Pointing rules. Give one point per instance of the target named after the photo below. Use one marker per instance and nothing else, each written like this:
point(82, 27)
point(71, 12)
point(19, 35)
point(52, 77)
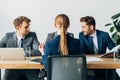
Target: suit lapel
point(14, 40)
point(87, 43)
point(99, 40)
point(27, 40)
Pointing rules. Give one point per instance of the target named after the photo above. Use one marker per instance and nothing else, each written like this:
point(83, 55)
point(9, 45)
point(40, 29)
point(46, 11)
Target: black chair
point(67, 68)
point(22, 78)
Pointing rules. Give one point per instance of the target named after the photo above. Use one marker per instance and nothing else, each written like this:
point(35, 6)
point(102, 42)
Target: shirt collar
point(94, 35)
point(19, 38)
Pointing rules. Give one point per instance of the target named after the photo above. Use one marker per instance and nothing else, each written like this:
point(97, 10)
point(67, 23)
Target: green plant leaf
point(112, 29)
point(116, 37)
point(115, 28)
point(115, 16)
point(108, 24)
point(118, 22)
point(115, 21)
point(118, 28)
point(118, 41)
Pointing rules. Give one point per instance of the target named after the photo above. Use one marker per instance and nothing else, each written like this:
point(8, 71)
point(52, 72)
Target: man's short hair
point(89, 20)
point(19, 20)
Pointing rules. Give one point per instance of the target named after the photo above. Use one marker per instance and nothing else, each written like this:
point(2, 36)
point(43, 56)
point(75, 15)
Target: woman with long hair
point(62, 44)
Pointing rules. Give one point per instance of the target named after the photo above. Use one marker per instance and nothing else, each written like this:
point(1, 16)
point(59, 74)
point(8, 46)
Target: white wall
point(43, 12)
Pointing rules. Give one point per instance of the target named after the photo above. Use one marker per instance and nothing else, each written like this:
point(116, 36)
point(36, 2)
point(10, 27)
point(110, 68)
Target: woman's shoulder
point(54, 41)
point(72, 40)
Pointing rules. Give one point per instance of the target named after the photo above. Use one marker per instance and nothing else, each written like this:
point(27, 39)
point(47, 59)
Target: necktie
point(90, 39)
point(21, 43)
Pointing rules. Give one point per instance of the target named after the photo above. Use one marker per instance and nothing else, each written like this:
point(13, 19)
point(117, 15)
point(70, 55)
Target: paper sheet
point(93, 59)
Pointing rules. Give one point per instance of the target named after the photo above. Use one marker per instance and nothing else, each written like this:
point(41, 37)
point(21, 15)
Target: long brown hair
point(63, 21)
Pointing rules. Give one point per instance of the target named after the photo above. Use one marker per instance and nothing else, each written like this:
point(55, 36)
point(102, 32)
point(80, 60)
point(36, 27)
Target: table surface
point(21, 64)
point(107, 63)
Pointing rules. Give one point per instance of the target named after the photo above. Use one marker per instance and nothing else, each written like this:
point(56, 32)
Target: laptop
point(11, 54)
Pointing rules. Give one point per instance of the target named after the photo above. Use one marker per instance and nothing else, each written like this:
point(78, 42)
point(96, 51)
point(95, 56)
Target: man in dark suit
point(101, 40)
point(94, 41)
point(22, 37)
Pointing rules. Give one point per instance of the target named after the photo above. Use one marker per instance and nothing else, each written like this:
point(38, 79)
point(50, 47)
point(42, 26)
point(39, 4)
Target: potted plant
point(115, 28)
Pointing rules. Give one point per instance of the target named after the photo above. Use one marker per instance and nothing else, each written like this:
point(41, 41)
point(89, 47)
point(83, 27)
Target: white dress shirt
point(19, 39)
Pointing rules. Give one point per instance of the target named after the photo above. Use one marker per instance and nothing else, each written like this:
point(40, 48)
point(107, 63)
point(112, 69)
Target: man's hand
point(41, 48)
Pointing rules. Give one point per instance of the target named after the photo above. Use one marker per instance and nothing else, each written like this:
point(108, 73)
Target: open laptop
point(11, 53)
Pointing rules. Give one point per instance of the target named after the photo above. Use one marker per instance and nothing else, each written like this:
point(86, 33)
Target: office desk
point(107, 63)
point(20, 65)
point(23, 64)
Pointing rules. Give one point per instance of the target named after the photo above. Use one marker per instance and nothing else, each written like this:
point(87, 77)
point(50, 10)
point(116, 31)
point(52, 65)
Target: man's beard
point(88, 33)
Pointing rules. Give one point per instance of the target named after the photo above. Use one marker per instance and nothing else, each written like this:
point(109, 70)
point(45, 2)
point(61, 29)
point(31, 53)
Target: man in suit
point(101, 39)
point(22, 37)
point(94, 41)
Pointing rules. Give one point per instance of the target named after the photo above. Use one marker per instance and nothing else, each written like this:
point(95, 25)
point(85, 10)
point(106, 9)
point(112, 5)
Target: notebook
point(12, 53)
point(37, 60)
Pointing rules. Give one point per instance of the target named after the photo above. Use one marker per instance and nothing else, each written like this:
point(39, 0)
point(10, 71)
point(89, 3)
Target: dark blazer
point(10, 40)
point(103, 39)
point(52, 47)
point(54, 34)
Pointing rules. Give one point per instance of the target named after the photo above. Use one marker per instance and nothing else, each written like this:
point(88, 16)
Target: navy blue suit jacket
point(103, 39)
point(52, 47)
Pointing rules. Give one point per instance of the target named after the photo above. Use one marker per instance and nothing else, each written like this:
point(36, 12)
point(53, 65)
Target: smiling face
point(23, 29)
point(22, 24)
point(87, 29)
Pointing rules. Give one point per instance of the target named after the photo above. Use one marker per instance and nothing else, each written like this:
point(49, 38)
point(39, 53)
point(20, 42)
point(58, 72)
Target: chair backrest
point(67, 67)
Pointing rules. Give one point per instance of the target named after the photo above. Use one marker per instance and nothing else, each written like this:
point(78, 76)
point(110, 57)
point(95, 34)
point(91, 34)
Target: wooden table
point(107, 63)
point(20, 64)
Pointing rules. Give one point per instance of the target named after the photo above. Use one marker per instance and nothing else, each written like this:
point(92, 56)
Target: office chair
point(22, 78)
point(67, 67)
